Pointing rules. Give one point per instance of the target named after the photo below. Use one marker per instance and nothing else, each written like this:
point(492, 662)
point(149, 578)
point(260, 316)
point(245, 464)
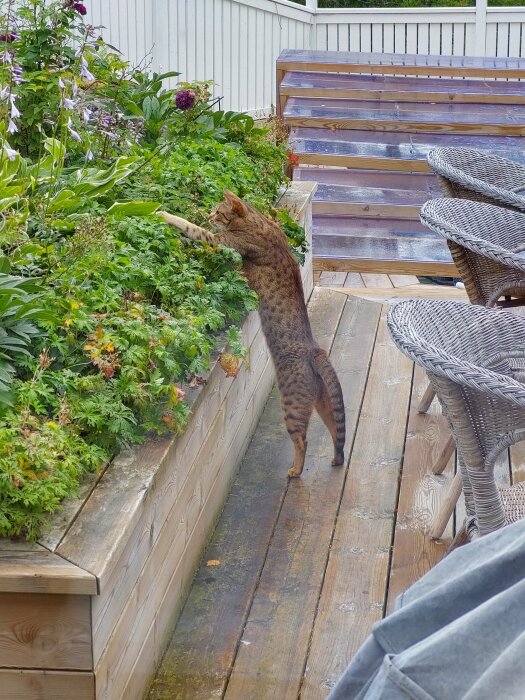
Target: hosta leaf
point(121, 209)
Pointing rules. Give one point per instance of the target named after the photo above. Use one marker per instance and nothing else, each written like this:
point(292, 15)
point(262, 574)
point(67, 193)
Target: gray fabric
point(457, 634)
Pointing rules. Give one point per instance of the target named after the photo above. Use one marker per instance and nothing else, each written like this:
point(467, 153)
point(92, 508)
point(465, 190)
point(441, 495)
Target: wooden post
point(480, 35)
point(311, 4)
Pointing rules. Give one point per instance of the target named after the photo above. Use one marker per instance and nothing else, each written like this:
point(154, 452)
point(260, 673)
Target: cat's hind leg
point(297, 416)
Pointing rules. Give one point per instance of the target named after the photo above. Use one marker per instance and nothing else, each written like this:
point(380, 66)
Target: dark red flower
point(8, 38)
point(80, 8)
point(185, 99)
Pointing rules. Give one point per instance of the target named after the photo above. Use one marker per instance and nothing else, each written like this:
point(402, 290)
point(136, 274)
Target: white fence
point(235, 42)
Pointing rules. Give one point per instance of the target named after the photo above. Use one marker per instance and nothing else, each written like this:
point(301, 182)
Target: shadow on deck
point(297, 572)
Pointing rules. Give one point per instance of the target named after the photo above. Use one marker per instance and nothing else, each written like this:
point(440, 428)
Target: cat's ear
point(237, 205)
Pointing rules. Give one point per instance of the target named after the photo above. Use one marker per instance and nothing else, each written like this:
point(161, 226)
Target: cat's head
point(223, 216)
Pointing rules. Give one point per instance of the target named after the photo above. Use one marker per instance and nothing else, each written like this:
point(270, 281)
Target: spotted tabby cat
point(305, 376)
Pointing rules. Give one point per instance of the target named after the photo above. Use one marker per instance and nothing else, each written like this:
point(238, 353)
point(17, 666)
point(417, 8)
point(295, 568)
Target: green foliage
point(20, 308)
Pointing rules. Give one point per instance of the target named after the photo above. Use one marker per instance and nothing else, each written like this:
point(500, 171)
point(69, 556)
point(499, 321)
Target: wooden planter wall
point(85, 612)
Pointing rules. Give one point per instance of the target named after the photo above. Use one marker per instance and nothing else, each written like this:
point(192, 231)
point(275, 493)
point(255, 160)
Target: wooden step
point(398, 64)
point(400, 89)
point(405, 116)
point(388, 246)
point(391, 150)
point(377, 202)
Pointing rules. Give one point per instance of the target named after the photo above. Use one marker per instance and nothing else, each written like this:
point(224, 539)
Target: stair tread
point(432, 113)
point(368, 178)
point(364, 227)
point(382, 85)
point(395, 145)
point(349, 61)
point(353, 246)
point(372, 195)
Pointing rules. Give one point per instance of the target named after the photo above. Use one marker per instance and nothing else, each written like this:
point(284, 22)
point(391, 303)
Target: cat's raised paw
point(339, 460)
point(294, 473)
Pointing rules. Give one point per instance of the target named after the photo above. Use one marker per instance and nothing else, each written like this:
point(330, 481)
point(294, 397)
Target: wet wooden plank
point(274, 645)
point(375, 202)
point(46, 685)
point(390, 150)
point(47, 631)
point(367, 227)
point(354, 589)
point(389, 88)
point(40, 571)
point(421, 495)
point(199, 657)
point(404, 64)
point(416, 256)
point(459, 119)
point(421, 182)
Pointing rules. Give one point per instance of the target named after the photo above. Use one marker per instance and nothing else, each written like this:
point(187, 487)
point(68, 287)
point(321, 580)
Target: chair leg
point(444, 457)
point(426, 400)
point(442, 518)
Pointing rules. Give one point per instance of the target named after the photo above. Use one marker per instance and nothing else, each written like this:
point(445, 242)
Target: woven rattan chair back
point(487, 244)
point(467, 173)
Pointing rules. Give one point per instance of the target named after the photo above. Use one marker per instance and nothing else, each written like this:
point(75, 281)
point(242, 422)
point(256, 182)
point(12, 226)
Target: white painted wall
point(235, 42)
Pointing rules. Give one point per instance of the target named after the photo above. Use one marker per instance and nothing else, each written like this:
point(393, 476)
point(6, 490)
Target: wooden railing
point(235, 42)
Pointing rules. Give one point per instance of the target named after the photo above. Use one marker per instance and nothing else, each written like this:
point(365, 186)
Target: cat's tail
point(327, 373)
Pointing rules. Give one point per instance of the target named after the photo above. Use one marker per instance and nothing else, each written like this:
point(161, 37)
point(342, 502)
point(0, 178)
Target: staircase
point(362, 125)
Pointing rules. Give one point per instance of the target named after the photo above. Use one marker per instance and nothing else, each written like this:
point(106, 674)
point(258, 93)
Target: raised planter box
point(85, 612)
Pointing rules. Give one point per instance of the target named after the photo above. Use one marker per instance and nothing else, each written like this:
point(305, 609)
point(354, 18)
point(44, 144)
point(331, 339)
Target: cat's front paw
point(293, 472)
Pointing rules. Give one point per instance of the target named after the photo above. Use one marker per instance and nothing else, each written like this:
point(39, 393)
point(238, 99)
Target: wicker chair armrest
point(443, 363)
point(440, 215)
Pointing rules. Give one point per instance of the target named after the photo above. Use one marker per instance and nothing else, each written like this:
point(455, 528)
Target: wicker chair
point(484, 241)
point(475, 360)
point(466, 173)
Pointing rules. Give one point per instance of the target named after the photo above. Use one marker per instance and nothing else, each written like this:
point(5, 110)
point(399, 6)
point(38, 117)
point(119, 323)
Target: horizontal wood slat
point(45, 631)
point(46, 685)
point(400, 64)
point(400, 89)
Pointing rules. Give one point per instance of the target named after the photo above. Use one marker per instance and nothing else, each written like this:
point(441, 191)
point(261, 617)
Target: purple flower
point(80, 8)
point(8, 38)
point(84, 71)
point(185, 99)
point(12, 127)
point(73, 133)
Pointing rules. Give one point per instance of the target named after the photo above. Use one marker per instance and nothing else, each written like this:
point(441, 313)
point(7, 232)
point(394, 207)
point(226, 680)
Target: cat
point(305, 377)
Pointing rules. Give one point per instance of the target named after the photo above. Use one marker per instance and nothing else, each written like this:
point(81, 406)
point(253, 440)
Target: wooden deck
point(298, 571)
point(363, 124)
